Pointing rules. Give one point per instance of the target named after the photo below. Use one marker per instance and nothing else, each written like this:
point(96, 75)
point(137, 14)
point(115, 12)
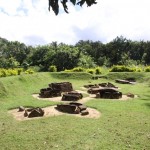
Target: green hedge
point(14, 72)
point(10, 72)
point(96, 70)
point(118, 68)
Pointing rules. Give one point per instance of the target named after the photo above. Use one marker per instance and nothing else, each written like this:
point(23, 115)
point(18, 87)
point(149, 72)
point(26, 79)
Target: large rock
point(73, 108)
point(106, 92)
point(72, 96)
point(84, 112)
point(124, 81)
point(55, 89)
point(36, 112)
point(62, 86)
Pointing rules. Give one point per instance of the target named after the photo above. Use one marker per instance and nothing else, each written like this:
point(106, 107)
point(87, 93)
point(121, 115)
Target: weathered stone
point(26, 113)
point(82, 107)
point(76, 93)
point(55, 89)
point(131, 79)
point(62, 86)
point(93, 90)
point(72, 96)
point(91, 86)
point(21, 108)
point(107, 85)
point(106, 92)
point(75, 103)
point(102, 84)
point(130, 95)
point(72, 109)
point(49, 92)
point(37, 112)
point(98, 95)
point(123, 81)
point(111, 85)
point(84, 112)
point(79, 105)
point(42, 90)
point(29, 109)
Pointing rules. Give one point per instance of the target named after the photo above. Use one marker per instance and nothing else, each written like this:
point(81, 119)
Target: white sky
point(30, 22)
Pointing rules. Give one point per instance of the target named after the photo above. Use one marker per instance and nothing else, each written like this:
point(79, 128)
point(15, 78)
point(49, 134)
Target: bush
point(67, 70)
point(147, 69)
point(19, 70)
point(3, 72)
point(12, 72)
point(122, 69)
point(52, 68)
point(91, 71)
point(35, 68)
point(78, 69)
point(98, 70)
point(29, 71)
point(138, 70)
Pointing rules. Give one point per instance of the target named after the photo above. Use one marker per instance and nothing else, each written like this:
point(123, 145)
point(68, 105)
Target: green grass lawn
point(123, 125)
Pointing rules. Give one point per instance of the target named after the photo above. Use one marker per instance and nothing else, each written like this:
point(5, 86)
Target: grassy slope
point(123, 124)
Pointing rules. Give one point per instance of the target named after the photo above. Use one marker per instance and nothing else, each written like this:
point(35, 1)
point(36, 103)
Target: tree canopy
point(54, 4)
point(86, 54)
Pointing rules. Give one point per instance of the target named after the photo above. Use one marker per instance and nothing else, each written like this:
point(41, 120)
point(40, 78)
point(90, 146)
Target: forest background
point(85, 54)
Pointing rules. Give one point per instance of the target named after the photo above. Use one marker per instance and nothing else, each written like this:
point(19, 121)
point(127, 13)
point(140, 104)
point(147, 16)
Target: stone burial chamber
point(100, 85)
point(72, 96)
point(73, 108)
point(31, 112)
point(55, 89)
point(105, 92)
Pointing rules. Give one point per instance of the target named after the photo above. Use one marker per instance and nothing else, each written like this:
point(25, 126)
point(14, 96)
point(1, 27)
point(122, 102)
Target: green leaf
point(73, 2)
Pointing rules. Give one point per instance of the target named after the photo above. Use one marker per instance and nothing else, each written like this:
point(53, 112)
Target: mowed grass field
point(123, 125)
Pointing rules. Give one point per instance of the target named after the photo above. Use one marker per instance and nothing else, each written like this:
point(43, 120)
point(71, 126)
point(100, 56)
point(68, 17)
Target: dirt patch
point(58, 99)
point(83, 100)
point(51, 112)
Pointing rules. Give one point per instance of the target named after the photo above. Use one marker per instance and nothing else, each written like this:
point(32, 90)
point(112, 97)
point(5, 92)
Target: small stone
point(82, 107)
point(25, 113)
point(84, 112)
point(21, 108)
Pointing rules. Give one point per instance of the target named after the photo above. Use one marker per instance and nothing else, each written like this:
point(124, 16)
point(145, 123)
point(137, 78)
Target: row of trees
point(87, 54)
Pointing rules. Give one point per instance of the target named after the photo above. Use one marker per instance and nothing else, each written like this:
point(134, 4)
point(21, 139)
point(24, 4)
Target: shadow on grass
point(148, 105)
point(145, 97)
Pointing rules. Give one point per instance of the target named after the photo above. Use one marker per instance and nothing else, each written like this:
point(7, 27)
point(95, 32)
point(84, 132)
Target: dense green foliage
point(123, 125)
point(147, 69)
point(95, 71)
point(52, 68)
point(122, 69)
point(85, 54)
point(10, 72)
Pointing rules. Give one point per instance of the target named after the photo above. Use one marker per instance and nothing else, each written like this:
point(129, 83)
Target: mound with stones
point(52, 111)
point(55, 89)
point(64, 92)
point(73, 108)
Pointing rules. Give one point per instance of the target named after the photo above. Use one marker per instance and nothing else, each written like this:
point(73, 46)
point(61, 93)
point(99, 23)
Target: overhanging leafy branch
point(54, 4)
